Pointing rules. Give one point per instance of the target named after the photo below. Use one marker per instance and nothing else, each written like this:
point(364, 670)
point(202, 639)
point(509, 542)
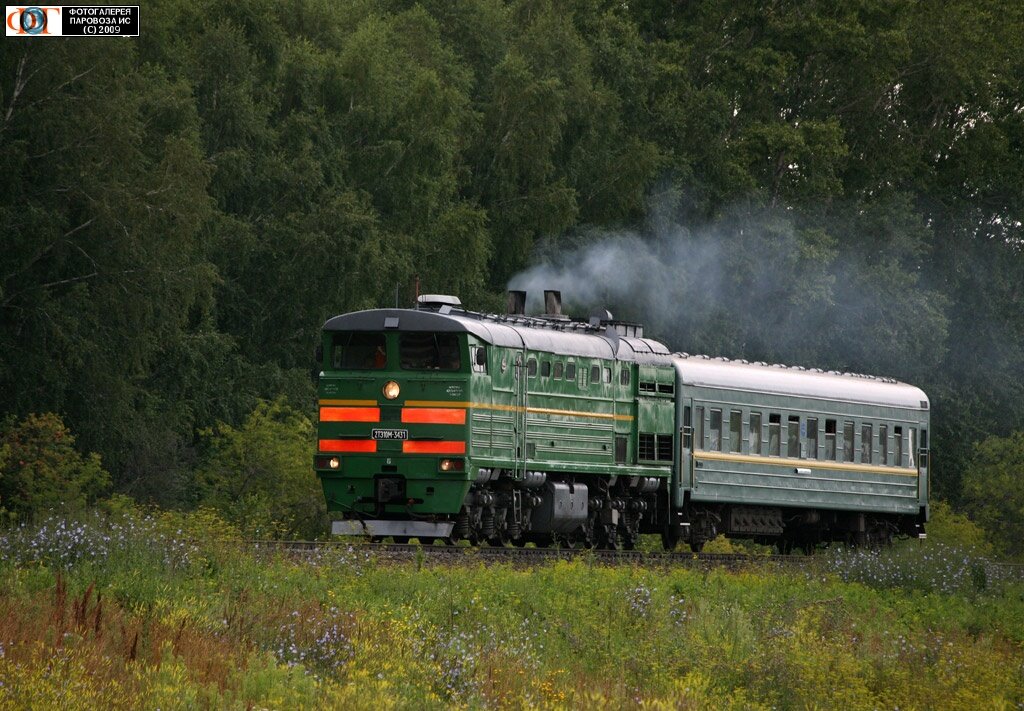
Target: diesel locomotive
point(441, 423)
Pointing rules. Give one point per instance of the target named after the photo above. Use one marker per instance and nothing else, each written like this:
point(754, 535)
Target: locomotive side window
point(793, 436)
point(624, 375)
point(545, 369)
point(531, 367)
point(865, 443)
point(558, 370)
point(883, 444)
point(429, 351)
point(570, 371)
point(897, 440)
point(595, 374)
point(847, 441)
point(735, 431)
point(755, 432)
point(478, 354)
point(607, 375)
point(775, 434)
point(716, 431)
point(812, 437)
point(359, 351)
point(830, 440)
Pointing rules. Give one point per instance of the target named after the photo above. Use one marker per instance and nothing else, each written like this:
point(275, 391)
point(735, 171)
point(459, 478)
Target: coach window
point(531, 367)
point(830, 439)
point(698, 428)
point(812, 437)
point(865, 443)
point(545, 369)
point(735, 431)
point(912, 449)
point(716, 431)
point(793, 436)
point(847, 441)
point(883, 444)
point(775, 434)
point(897, 440)
point(755, 432)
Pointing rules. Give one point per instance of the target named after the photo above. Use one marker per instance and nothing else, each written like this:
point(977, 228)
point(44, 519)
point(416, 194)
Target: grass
point(156, 611)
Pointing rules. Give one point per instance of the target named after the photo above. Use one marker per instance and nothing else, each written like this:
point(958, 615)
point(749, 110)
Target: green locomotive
point(441, 423)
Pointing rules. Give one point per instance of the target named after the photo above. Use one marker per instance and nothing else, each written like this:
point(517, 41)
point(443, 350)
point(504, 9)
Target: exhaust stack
point(553, 304)
point(516, 303)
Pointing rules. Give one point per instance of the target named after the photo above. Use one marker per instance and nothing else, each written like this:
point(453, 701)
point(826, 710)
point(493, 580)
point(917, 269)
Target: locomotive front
point(392, 438)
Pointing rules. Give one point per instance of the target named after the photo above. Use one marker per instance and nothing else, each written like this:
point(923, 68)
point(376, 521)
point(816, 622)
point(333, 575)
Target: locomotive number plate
point(391, 434)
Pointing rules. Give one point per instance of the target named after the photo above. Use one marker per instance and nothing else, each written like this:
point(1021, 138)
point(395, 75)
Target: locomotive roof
point(782, 380)
point(562, 338)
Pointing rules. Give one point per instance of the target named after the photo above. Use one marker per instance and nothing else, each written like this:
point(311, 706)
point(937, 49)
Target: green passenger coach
point(441, 423)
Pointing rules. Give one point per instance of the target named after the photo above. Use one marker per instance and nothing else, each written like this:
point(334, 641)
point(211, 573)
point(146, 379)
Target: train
point(443, 424)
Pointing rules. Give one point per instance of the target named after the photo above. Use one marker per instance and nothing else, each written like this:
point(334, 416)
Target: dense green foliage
point(40, 469)
point(258, 475)
point(993, 492)
point(182, 211)
point(165, 611)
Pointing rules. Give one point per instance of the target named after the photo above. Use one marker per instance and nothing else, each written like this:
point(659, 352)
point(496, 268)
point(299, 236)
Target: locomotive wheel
point(427, 541)
point(610, 540)
point(400, 540)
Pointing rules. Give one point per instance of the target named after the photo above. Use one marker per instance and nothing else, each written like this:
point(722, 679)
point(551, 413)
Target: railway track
point(328, 552)
point(468, 555)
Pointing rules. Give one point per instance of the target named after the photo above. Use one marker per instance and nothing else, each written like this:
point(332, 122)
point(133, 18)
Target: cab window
point(429, 351)
point(359, 351)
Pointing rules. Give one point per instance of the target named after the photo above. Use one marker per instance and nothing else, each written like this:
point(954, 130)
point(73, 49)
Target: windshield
point(429, 351)
point(359, 351)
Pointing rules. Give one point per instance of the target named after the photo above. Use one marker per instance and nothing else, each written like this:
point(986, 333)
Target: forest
point(832, 185)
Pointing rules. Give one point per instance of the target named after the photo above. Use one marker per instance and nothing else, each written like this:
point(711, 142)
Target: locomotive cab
point(393, 428)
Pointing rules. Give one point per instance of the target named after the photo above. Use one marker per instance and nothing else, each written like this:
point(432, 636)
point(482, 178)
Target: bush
point(992, 491)
point(953, 529)
point(40, 468)
point(260, 475)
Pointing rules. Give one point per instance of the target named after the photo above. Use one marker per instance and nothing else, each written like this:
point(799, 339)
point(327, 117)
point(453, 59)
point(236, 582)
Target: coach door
point(690, 426)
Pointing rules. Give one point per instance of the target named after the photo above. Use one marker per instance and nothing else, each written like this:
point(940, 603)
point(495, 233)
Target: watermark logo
point(34, 20)
point(72, 20)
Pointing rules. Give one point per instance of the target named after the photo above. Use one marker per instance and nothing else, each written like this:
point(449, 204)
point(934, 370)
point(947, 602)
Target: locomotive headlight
point(328, 462)
point(391, 390)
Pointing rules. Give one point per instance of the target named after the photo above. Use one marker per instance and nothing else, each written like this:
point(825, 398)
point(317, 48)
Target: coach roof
point(701, 371)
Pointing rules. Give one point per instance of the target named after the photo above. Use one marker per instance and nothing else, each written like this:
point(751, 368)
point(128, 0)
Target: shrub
point(992, 490)
point(260, 475)
point(40, 468)
point(953, 529)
